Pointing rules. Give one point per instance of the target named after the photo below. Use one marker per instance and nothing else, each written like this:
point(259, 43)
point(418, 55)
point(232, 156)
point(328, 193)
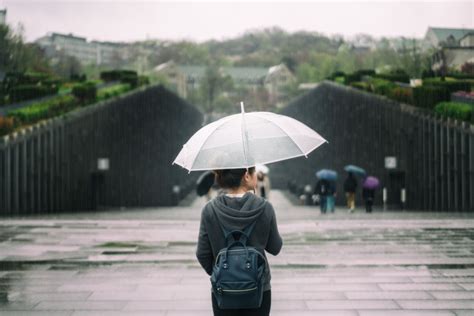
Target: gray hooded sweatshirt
point(237, 213)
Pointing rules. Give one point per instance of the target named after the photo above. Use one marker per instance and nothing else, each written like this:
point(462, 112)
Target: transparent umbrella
point(246, 139)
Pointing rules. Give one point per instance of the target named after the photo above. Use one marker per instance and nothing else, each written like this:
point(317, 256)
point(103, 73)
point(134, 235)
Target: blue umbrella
point(327, 174)
point(356, 170)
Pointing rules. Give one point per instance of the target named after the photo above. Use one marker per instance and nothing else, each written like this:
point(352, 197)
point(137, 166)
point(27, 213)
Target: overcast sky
point(202, 20)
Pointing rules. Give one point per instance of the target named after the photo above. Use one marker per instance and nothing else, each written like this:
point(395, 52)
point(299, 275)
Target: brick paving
point(141, 262)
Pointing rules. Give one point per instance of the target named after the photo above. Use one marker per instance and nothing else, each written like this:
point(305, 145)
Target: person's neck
point(237, 191)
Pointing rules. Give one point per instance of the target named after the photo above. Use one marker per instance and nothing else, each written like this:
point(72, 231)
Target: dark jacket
point(350, 185)
point(368, 194)
point(237, 213)
point(324, 187)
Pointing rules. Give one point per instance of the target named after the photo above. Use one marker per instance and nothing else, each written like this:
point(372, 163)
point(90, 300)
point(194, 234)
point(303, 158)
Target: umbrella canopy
point(356, 170)
point(262, 168)
point(327, 174)
point(204, 183)
point(371, 183)
point(246, 139)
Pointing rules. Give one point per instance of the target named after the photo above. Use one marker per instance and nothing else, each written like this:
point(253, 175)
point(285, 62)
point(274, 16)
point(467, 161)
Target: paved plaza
point(142, 262)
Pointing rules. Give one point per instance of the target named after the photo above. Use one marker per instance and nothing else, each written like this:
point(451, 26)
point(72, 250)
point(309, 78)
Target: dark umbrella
point(204, 183)
point(356, 170)
point(327, 174)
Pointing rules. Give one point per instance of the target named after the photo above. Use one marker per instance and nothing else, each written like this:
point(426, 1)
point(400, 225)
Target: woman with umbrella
point(232, 146)
point(350, 185)
point(326, 189)
point(368, 192)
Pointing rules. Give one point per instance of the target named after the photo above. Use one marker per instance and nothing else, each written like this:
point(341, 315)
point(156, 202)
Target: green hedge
point(399, 77)
point(117, 75)
point(401, 94)
point(381, 86)
point(86, 92)
point(349, 78)
point(456, 110)
point(428, 96)
point(113, 91)
point(132, 80)
point(361, 85)
point(450, 86)
point(28, 92)
point(44, 110)
point(365, 72)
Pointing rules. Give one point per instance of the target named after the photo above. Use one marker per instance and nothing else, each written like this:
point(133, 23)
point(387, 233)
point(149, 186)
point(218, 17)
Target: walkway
point(141, 262)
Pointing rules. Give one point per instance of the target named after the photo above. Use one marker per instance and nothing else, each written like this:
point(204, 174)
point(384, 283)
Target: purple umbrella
point(371, 183)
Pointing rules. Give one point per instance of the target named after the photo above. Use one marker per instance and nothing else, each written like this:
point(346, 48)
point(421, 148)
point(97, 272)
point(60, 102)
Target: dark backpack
point(238, 273)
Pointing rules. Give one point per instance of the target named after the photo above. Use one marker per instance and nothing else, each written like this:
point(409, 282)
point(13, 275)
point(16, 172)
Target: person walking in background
point(350, 186)
point(331, 198)
point(368, 196)
point(263, 185)
point(369, 186)
point(324, 189)
point(234, 210)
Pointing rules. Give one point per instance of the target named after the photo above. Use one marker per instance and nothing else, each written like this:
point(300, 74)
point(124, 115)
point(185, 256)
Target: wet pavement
point(141, 262)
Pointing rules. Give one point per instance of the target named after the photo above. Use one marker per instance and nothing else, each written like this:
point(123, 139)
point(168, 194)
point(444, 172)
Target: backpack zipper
point(234, 250)
point(245, 290)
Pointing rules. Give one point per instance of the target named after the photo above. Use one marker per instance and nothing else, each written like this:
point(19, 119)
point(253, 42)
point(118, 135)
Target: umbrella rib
point(205, 140)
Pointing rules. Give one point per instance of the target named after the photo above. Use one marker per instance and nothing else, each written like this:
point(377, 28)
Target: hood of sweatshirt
point(238, 212)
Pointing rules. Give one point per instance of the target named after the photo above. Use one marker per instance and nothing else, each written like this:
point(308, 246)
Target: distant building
point(467, 40)
point(176, 78)
point(438, 36)
point(455, 47)
point(3, 17)
point(186, 78)
point(97, 53)
point(277, 79)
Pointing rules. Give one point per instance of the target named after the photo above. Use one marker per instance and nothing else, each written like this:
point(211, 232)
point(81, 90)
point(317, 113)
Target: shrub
point(456, 110)
point(360, 85)
point(132, 80)
point(109, 92)
point(381, 86)
point(398, 77)
point(365, 72)
point(427, 74)
point(339, 80)
point(349, 78)
point(86, 92)
point(336, 74)
point(28, 92)
point(428, 96)
point(43, 110)
point(116, 75)
point(143, 80)
point(450, 86)
point(6, 125)
point(401, 94)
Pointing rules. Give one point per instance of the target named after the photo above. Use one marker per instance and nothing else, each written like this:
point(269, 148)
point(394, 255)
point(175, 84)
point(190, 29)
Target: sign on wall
point(390, 162)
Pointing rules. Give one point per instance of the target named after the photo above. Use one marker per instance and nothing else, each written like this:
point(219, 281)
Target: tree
point(214, 83)
point(67, 66)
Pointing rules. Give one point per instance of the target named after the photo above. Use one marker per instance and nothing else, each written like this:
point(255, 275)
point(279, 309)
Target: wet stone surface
point(142, 262)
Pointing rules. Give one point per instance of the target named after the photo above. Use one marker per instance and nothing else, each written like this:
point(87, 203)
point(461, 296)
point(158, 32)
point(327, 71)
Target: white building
point(98, 53)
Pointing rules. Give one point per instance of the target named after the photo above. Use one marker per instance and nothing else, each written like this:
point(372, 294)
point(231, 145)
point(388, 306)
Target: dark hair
point(231, 178)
